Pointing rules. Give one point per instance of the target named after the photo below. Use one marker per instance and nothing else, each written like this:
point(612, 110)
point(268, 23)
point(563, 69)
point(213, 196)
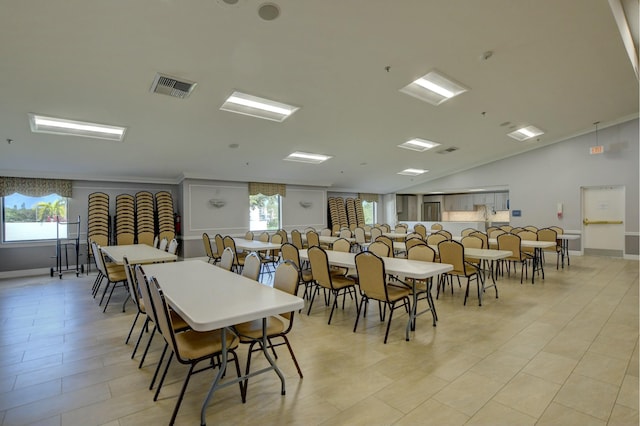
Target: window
point(33, 218)
point(264, 212)
point(369, 208)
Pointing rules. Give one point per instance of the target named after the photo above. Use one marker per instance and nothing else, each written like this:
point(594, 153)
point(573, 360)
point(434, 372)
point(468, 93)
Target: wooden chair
point(452, 252)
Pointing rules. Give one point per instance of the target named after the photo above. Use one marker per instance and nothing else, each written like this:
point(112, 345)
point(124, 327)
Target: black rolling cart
point(63, 245)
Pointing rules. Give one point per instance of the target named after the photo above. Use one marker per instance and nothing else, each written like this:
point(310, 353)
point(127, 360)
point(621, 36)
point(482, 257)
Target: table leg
point(214, 385)
point(412, 311)
point(268, 357)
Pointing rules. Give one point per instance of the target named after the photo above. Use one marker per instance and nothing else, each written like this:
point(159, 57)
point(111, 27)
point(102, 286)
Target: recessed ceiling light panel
point(420, 145)
point(434, 88)
point(254, 106)
point(525, 133)
point(412, 172)
point(307, 157)
point(63, 126)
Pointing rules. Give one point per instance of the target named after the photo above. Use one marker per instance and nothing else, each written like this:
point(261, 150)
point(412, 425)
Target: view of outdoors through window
point(369, 210)
point(264, 212)
point(33, 218)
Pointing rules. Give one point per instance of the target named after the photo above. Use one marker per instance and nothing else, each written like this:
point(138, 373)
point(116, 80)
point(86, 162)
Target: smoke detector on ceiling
point(172, 86)
point(448, 150)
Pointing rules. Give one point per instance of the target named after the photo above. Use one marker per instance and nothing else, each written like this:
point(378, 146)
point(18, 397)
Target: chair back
point(173, 246)
point(412, 235)
point(452, 252)
point(400, 229)
point(471, 241)
point(97, 257)
point(510, 242)
point(528, 235)
point(379, 248)
point(125, 238)
point(229, 242)
point(494, 233)
point(531, 228)
point(146, 238)
point(436, 227)
point(342, 245)
point(163, 318)
point(248, 236)
point(386, 240)
point(143, 287)
point(264, 237)
point(325, 232)
point(359, 235)
point(506, 228)
point(309, 228)
point(421, 252)
point(467, 231)
point(219, 244)
point(345, 233)
point(296, 239)
point(547, 234)
point(156, 241)
point(421, 230)
point(483, 237)
point(320, 266)
point(283, 234)
point(375, 233)
point(435, 239)
point(207, 246)
point(226, 259)
point(286, 279)
point(313, 239)
point(289, 252)
point(446, 234)
point(132, 285)
point(559, 231)
point(163, 244)
point(252, 266)
point(385, 227)
point(412, 242)
point(371, 275)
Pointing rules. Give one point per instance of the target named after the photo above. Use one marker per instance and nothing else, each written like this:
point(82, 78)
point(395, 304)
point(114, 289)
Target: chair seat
point(252, 330)
point(196, 344)
point(178, 322)
point(116, 276)
point(114, 268)
point(340, 281)
point(307, 276)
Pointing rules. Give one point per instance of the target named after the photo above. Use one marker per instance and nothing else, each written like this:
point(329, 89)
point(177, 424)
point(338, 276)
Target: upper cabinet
point(459, 202)
point(502, 201)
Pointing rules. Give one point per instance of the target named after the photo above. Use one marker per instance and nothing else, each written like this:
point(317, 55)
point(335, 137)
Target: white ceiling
point(557, 64)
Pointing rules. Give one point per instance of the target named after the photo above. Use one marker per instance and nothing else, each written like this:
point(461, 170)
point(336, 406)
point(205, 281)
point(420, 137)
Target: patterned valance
point(369, 197)
point(256, 188)
point(35, 187)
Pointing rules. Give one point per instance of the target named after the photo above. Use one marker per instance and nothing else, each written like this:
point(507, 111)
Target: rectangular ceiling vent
point(448, 150)
point(171, 86)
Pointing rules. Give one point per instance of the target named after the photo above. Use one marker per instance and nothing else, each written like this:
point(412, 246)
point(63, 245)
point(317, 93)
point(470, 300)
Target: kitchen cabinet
point(459, 202)
point(501, 201)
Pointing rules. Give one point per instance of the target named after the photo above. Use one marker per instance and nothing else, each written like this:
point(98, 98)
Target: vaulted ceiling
point(557, 64)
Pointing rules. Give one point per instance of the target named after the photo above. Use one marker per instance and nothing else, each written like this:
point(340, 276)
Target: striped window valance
point(369, 197)
point(35, 187)
point(263, 188)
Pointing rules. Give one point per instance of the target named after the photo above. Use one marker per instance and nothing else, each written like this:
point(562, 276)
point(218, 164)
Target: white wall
point(539, 179)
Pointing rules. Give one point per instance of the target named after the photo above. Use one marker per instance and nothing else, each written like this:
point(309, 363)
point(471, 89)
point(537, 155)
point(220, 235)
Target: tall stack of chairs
point(145, 218)
point(125, 224)
point(166, 224)
point(98, 223)
point(359, 212)
point(351, 212)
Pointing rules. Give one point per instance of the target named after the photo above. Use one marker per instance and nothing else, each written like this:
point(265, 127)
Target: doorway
point(603, 210)
point(431, 211)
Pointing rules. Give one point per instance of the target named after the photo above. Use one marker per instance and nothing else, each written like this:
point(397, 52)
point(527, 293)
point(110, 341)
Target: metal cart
point(64, 244)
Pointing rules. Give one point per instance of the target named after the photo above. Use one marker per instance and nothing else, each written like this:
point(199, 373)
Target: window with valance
point(35, 187)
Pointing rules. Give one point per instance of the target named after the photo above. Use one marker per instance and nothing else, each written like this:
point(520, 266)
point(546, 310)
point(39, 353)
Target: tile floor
point(561, 352)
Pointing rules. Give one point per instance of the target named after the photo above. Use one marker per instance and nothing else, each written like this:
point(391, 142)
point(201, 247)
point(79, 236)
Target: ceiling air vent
point(171, 86)
point(448, 150)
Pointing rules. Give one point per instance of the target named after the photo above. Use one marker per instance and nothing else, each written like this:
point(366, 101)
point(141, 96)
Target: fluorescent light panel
point(307, 157)
point(434, 88)
point(417, 144)
point(412, 172)
point(63, 126)
point(525, 133)
point(254, 106)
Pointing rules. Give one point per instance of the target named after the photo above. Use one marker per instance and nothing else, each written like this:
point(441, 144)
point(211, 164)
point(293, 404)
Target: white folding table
point(210, 298)
point(137, 254)
point(414, 269)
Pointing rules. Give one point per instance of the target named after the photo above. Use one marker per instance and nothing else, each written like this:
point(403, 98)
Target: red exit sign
point(596, 150)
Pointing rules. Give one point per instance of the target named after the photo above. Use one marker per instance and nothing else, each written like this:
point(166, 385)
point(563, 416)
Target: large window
point(33, 218)
point(264, 212)
point(369, 208)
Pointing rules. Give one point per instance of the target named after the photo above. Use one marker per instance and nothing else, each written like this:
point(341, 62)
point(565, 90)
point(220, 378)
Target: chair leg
point(181, 396)
point(247, 369)
point(155, 374)
point(144, 355)
point(144, 326)
point(293, 357)
point(164, 375)
point(334, 305)
point(131, 329)
point(359, 309)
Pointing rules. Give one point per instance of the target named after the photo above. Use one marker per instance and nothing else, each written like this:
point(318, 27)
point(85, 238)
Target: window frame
point(279, 211)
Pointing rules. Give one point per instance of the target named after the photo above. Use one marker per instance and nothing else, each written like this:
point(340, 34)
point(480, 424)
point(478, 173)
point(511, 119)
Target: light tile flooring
point(561, 352)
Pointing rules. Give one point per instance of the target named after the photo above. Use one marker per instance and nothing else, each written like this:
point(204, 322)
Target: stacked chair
point(166, 224)
point(98, 222)
point(338, 212)
point(359, 212)
point(145, 220)
point(125, 223)
point(351, 211)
